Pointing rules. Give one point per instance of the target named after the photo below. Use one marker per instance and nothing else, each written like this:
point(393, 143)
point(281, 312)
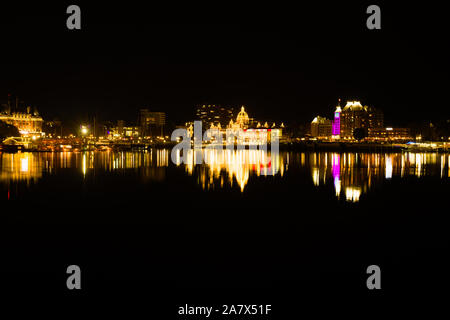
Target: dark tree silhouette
point(359, 133)
point(7, 130)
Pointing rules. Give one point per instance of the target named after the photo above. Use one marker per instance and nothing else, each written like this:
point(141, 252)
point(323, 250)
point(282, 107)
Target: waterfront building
point(130, 132)
point(336, 128)
point(251, 134)
point(242, 119)
point(321, 128)
point(389, 134)
point(353, 116)
point(28, 123)
point(244, 131)
point(151, 123)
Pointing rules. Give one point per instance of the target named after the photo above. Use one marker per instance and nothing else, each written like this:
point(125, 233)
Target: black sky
point(283, 62)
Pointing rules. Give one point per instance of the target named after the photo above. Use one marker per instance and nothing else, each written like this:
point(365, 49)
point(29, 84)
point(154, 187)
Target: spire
point(338, 107)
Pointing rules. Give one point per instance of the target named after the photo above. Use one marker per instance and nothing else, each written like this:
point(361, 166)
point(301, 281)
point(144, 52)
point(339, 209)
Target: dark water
point(304, 221)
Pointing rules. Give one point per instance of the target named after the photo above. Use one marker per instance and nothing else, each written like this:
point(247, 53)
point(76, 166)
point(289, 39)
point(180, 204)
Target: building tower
point(213, 115)
point(336, 129)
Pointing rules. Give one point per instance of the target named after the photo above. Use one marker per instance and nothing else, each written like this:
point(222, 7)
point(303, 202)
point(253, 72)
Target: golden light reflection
point(84, 163)
point(24, 164)
point(30, 166)
point(356, 173)
point(350, 174)
point(20, 167)
point(236, 166)
point(352, 194)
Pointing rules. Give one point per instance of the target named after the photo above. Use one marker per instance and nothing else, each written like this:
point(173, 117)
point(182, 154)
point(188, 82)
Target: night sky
point(286, 63)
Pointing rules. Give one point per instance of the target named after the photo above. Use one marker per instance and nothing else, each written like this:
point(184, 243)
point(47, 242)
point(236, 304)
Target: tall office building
point(151, 123)
point(376, 118)
point(214, 115)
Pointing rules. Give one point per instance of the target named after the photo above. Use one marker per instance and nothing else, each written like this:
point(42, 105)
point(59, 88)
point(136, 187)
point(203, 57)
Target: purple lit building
point(336, 129)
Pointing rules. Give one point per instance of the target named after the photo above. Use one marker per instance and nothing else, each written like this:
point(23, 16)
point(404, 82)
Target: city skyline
point(192, 155)
point(153, 122)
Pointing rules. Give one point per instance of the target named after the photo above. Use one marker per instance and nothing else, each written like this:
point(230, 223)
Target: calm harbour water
point(236, 219)
point(351, 175)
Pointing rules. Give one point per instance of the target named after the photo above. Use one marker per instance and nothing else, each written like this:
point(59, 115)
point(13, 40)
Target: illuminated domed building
point(245, 130)
point(249, 134)
point(242, 119)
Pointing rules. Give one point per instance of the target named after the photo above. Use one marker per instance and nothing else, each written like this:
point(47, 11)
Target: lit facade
point(243, 131)
point(389, 134)
point(321, 127)
point(345, 120)
point(26, 122)
point(244, 128)
point(130, 132)
point(354, 115)
point(336, 129)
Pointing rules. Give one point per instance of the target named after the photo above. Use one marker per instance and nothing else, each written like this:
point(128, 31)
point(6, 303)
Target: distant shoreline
point(308, 146)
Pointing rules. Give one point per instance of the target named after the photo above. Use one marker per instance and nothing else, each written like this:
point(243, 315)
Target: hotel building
point(354, 115)
point(28, 123)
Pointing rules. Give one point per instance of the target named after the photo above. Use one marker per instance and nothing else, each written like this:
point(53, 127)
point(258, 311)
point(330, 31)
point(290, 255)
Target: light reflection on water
point(30, 167)
point(234, 165)
point(355, 173)
point(351, 174)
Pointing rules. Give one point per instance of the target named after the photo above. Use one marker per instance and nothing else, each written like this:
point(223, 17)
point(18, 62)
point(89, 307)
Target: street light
point(84, 132)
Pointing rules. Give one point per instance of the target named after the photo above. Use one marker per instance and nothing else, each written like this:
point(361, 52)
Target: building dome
point(242, 117)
